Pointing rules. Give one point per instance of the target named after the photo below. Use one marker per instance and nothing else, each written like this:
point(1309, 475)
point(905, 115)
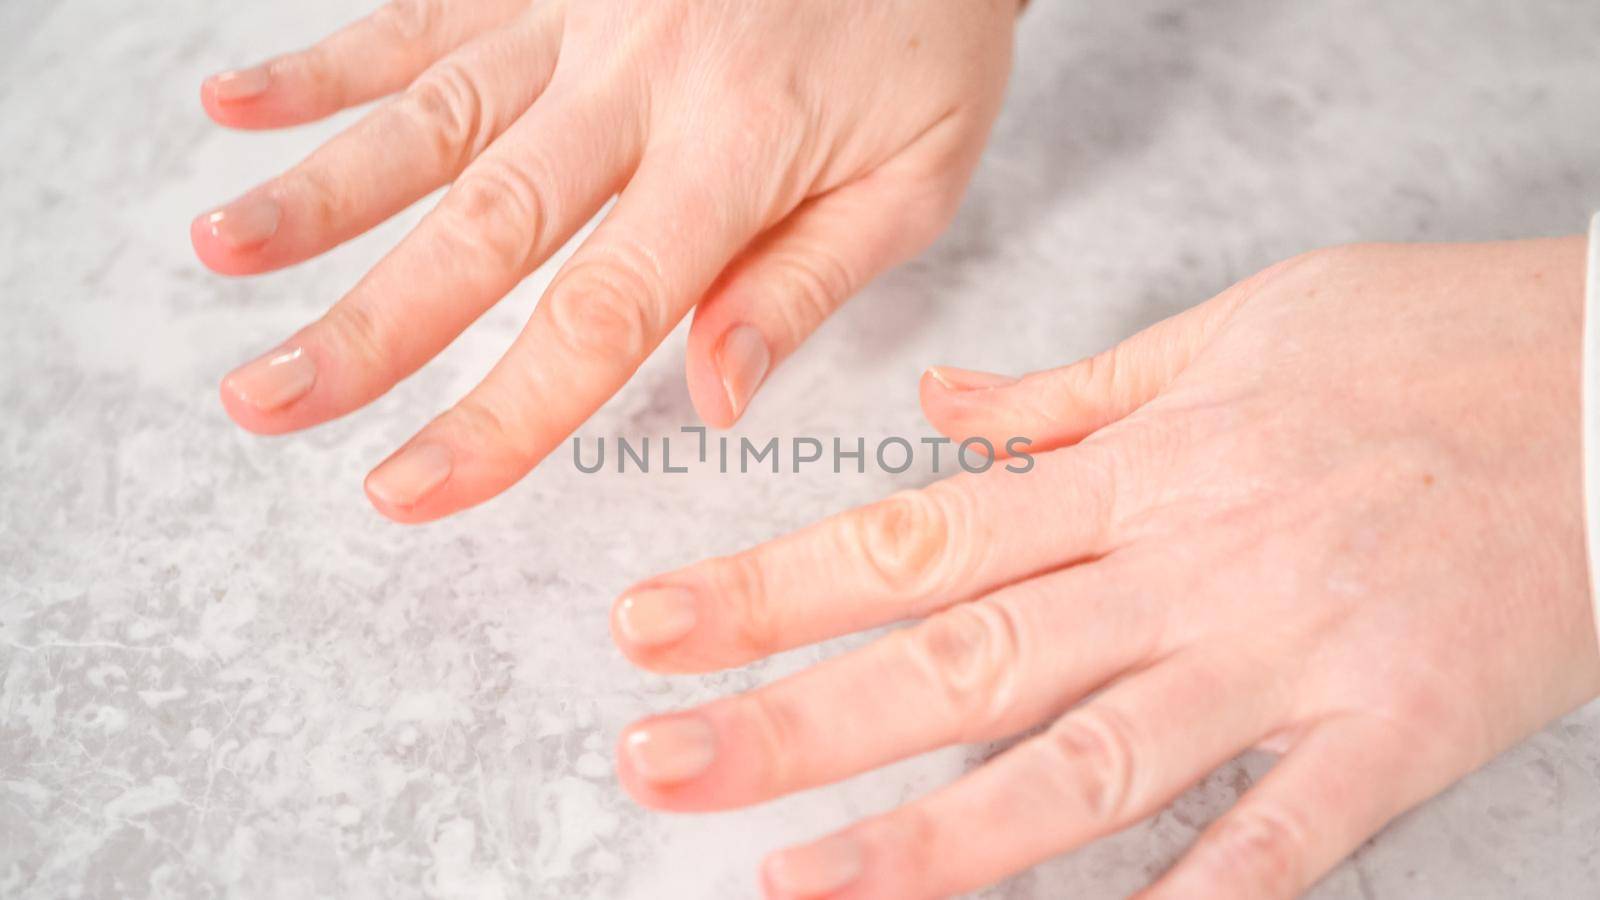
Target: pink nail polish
point(656, 616)
point(742, 361)
point(245, 223)
point(275, 380)
point(241, 84)
point(671, 750)
point(815, 869)
point(405, 479)
point(953, 379)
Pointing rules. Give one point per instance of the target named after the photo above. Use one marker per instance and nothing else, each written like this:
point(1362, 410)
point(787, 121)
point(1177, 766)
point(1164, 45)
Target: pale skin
point(1333, 513)
point(760, 181)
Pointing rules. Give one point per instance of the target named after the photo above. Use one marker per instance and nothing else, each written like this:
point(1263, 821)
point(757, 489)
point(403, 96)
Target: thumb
point(789, 281)
point(1057, 407)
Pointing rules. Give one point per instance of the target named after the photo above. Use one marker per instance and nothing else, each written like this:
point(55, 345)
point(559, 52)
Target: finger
point(1099, 769)
point(906, 556)
point(1062, 406)
point(781, 289)
point(391, 158)
point(671, 232)
point(978, 671)
point(369, 59)
point(513, 207)
point(1335, 789)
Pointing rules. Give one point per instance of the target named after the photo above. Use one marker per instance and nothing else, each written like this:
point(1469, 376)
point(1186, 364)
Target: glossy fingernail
point(953, 379)
point(671, 750)
point(815, 869)
point(241, 84)
point(273, 381)
point(656, 616)
point(245, 223)
point(403, 480)
point(742, 361)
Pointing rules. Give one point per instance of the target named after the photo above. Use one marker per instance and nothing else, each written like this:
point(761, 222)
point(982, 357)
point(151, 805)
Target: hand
point(1334, 513)
point(771, 158)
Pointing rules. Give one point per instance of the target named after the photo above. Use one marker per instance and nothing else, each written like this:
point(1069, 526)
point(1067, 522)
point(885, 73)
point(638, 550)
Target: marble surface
point(222, 674)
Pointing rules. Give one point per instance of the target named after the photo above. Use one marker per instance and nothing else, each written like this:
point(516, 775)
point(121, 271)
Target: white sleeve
point(1591, 413)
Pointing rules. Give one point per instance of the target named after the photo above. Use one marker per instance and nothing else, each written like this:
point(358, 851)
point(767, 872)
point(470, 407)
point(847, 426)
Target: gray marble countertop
point(222, 673)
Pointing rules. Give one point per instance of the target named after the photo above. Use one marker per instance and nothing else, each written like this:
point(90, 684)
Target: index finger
point(906, 556)
point(671, 233)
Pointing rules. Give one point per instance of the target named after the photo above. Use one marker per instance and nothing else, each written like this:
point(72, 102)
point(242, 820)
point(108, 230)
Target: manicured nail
point(671, 750)
point(815, 869)
point(241, 84)
point(656, 616)
point(405, 479)
point(247, 222)
point(275, 380)
point(953, 379)
point(742, 361)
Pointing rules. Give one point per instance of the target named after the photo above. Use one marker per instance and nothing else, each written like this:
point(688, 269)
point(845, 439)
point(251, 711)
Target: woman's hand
point(1334, 512)
point(771, 158)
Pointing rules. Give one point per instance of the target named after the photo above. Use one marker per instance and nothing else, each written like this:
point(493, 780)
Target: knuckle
point(360, 334)
point(1104, 383)
point(409, 20)
point(1093, 752)
point(606, 310)
point(1041, 409)
point(1099, 375)
point(480, 425)
point(759, 624)
point(323, 202)
point(1111, 485)
point(768, 125)
point(815, 283)
point(909, 541)
point(915, 834)
point(446, 105)
point(323, 70)
point(498, 208)
point(782, 733)
point(971, 655)
point(1265, 848)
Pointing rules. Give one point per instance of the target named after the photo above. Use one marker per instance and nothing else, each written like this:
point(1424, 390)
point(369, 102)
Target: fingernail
point(241, 84)
point(953, 379)
point(671, 750)
point(245, 223)
point(273, 381)
point(815, 869)
point(656, 616)
point(405, 479)
point(742, 361)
